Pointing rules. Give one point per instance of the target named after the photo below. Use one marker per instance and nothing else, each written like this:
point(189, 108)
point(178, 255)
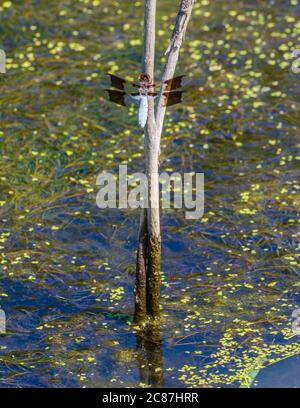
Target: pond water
point(230, 280)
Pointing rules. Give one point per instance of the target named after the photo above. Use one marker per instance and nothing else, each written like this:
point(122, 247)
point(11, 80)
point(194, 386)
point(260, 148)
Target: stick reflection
point(150, 356)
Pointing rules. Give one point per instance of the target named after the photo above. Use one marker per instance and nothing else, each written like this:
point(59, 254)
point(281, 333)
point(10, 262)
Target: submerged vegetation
point(230, 282)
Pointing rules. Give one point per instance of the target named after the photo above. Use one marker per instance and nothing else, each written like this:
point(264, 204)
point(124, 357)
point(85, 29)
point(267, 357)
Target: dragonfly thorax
point(145, 85)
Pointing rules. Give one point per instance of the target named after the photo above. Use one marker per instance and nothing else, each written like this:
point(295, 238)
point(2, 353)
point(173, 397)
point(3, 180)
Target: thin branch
point(172, 53)
point(149, 38)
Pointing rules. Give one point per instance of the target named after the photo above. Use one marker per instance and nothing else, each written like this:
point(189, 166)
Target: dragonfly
point(171, 93)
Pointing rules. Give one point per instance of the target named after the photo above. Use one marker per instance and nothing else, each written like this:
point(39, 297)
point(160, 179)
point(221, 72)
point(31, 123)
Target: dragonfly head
point(145, 78)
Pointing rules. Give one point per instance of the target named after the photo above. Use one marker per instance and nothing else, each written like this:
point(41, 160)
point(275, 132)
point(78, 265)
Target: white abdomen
point(143, 111)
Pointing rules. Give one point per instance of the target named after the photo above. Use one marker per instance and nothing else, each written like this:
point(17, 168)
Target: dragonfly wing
point(121, 83)
point(172, 98)
point(135, 97)
point(174, 83)
point(117, 82)
point(117, 97)
point(122, 97)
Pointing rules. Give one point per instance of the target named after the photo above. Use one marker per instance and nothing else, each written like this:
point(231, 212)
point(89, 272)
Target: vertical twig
point(149, 222)
point(149, 38)
point(140, 295)
point(147, 290)
point(152, 153)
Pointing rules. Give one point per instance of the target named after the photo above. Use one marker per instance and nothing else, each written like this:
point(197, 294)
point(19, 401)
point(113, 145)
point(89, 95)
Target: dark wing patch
point(117, 82)
point(171, 98)
point(174, 83)
point(152, 93)
point(117, 97)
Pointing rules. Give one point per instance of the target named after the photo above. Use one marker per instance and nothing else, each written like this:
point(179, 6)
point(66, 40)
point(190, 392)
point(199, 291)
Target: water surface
point(230, 280)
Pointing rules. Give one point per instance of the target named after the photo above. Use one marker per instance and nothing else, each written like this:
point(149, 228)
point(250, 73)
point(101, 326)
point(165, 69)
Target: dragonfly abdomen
point(143, 110)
